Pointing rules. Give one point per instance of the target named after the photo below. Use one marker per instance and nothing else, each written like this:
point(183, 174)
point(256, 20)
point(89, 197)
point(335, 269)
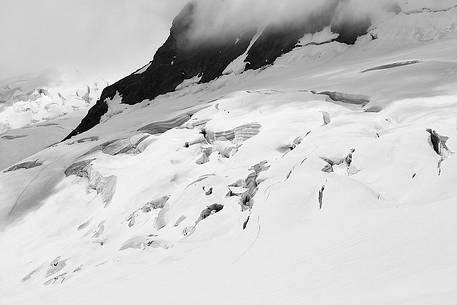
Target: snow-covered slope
point(35, 113)
point(21, 106)
point(326, 178)
point(20, 143)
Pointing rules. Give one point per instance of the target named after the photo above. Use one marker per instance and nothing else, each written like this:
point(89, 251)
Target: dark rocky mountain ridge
point(180, 59)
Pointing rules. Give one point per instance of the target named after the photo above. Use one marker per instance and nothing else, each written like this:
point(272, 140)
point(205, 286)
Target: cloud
point(214, 18)
point(110, 38)
point(88, 37)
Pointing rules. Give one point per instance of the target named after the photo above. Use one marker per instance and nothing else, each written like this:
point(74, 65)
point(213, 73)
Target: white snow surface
point(17, 144)
point(20, 107)
point(189, 82)
point(380, 230)
point(34, 117)
point(318, 38)
point(239, 64)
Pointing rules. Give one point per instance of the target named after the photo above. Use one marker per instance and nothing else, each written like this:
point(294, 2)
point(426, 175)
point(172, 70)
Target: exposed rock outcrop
point(173, 63)
point(180, 59)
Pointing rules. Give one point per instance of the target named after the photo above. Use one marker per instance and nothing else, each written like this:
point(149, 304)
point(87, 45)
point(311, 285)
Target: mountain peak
point(183, 57)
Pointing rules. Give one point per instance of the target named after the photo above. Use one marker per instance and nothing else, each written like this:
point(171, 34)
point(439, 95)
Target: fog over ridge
point(215, 19)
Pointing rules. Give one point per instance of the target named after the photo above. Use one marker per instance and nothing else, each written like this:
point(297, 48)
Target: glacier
point(326, 177)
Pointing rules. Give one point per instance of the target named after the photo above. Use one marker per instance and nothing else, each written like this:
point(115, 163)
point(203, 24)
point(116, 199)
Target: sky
point(109, 39)
point(86, 38)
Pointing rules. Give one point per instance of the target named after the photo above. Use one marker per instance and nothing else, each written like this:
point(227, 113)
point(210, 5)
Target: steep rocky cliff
point(180, 59)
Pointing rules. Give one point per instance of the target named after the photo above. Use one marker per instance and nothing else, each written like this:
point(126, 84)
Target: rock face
point(180, 58)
